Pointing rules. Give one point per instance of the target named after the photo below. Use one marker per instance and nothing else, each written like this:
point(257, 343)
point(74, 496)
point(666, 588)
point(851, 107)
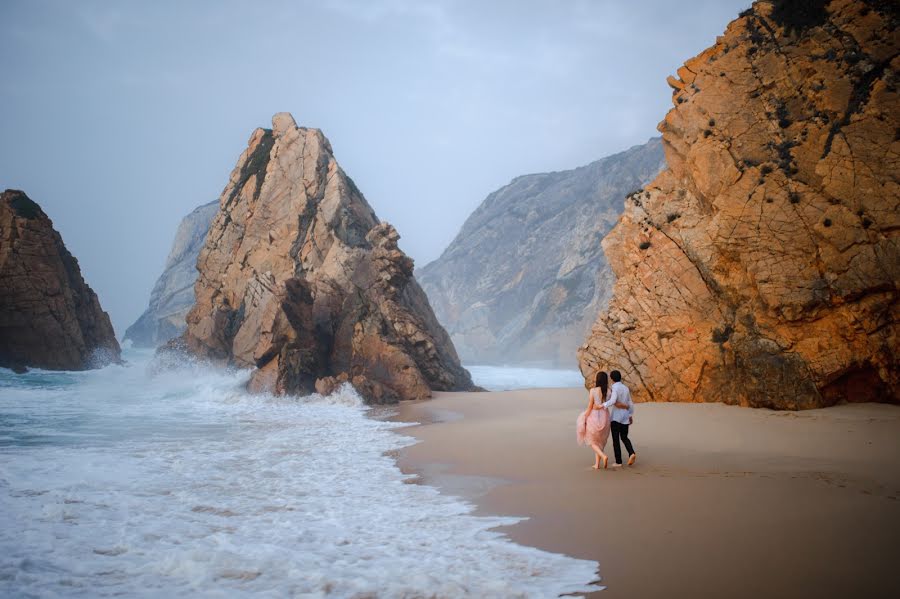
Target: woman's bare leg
point(600, 456)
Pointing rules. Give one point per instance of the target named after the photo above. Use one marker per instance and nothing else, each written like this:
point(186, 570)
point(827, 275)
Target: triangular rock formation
point(300, 280)
point(173, 295)
point(762, 267)
point(49, 317)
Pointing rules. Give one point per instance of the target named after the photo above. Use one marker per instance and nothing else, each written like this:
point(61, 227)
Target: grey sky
point(121, 117)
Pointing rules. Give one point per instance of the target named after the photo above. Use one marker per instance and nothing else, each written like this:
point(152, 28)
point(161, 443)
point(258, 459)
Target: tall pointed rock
point(49, 317)
point(173, 294)
point(762, 267)
point(299, 280)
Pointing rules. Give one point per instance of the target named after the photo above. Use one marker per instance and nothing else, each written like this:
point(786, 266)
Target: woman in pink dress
point(592, 427)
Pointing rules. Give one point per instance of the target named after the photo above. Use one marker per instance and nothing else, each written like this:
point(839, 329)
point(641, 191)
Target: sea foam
point(181, 484)
point(506, 378)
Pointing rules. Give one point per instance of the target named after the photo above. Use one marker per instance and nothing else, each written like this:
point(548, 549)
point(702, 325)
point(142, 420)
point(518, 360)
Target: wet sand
point(722, 502)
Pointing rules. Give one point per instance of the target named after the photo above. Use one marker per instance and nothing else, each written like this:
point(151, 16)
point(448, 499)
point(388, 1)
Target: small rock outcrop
point(49, 317)
point(173, 295)
point(762, 267)
point(299, 280)
point(524, 279)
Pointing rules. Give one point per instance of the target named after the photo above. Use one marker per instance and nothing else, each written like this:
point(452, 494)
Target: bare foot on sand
point(631, 459)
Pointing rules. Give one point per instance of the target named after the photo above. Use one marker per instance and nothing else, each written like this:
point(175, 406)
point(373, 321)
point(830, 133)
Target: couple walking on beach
point(611, 410)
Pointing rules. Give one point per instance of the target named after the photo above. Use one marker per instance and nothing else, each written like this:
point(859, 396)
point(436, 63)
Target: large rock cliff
point(524, 279)
point(299, 280)
point(173, 295)
point(762, 267)
point(49, 317)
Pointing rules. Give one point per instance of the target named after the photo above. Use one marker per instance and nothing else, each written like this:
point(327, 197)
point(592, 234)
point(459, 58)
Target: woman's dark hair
point(601, 381)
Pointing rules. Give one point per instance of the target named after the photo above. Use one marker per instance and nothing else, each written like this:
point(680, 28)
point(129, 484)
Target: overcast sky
point(120, 117)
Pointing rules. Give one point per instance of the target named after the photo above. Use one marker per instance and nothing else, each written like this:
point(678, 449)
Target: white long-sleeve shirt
point(595, 395)
point(619, 393)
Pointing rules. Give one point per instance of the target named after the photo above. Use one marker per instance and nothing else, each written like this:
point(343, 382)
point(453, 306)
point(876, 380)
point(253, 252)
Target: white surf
point(119, 482)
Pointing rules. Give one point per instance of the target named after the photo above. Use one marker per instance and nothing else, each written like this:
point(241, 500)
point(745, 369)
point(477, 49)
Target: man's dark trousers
point(620, 430)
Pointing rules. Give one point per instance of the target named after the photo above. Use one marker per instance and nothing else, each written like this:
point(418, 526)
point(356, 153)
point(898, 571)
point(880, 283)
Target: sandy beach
point(722, 502)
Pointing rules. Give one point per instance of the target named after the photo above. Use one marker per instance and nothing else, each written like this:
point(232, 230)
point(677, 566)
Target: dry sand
point(723, 501)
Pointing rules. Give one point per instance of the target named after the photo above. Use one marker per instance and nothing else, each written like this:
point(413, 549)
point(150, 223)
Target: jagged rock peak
point(49, 317)
point(283, 122)
point(524, 279)
point(173, 293)
point(299, 280)
point(762, 267)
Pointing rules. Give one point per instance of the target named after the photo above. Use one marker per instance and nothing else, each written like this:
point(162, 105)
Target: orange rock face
point(761, 268)
point(49, 317)
point(300, 281)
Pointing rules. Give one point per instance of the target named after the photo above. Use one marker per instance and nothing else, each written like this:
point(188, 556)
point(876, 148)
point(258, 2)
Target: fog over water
point(121, 117)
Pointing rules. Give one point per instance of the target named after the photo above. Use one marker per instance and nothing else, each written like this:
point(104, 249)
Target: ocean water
point(124, 482)
point(506, 378)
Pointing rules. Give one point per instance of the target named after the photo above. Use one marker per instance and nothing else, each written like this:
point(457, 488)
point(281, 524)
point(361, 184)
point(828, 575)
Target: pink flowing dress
point(595, 430)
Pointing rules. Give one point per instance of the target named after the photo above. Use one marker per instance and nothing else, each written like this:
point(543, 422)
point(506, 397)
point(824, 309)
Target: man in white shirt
point(620, 395)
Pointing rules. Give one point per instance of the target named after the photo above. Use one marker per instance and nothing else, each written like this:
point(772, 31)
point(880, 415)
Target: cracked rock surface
point(761, 268)
point(524, 279)
point(300, 281)
point(49, 317)
point(173, 294)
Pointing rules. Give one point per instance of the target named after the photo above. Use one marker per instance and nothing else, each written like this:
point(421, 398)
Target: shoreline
point(723, 501)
